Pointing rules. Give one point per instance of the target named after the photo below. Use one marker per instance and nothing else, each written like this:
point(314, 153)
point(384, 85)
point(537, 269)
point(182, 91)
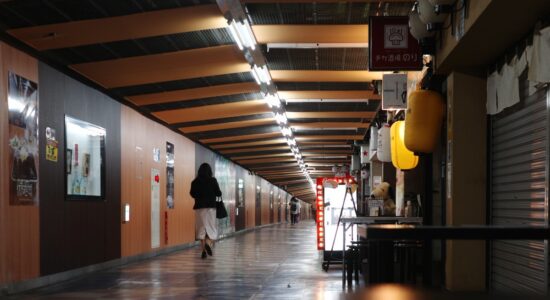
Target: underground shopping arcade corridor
point(274, 262)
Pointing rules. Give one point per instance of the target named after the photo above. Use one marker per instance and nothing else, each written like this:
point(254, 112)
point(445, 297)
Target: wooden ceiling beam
point(327, 156)
point(254, 149)
point(300, 186)
point(311, 33)
point(249, 144)
point(195, 93)
point(327, 151)
point(317, 144)
point(322, 164)
point(186, 64)
point(305, 191)
point(302, 191)
point(366, 94)
point(264, 160)
point(289, 181)
point(241, 137)
point(328, 137)
point(327, 125)
point(262, 156)
point(275, 167)
point(330, 114)
point(216, 111)
point(228, 125)
point(127, 27)
point(324, 76)
point(280, 173)
point(284, 176)
point(304, 194)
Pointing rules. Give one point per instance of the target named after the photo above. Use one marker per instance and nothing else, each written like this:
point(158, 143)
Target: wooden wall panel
point(74, 234)
point(266, 188)
point(181, 219)
point(250, 200)
point(139, 136)
point(19, 225)
point(276, 205)
point(136, 234)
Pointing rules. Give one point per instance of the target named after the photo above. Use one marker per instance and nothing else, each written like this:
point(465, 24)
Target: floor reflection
point(278, 262)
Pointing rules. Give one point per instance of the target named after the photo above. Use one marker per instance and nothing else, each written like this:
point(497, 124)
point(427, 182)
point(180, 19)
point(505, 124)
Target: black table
point(347, 223)
point(466, 232)
point(397, 232)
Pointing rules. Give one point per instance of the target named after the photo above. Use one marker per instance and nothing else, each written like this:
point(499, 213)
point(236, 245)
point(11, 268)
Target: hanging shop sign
point(391, 46)
point(23, 140)
point(394, 91)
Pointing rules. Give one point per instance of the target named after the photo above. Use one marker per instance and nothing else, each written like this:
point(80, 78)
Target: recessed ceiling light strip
point(242, 34)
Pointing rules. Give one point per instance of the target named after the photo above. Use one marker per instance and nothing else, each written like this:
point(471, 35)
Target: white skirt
point(205, 223)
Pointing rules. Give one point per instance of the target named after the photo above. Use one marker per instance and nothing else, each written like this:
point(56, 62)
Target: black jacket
point(205, 191)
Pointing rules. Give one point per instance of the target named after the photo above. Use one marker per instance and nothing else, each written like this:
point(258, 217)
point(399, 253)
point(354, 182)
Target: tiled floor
point(277, 262)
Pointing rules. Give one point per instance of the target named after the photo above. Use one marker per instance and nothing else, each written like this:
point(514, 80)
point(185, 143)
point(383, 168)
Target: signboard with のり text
point(391, 46)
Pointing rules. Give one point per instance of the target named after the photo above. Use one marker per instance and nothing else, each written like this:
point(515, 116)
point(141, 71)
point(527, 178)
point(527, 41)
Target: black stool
point(405, 253)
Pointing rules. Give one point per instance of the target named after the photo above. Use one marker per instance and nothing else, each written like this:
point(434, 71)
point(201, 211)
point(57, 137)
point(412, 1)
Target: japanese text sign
point(391, 46)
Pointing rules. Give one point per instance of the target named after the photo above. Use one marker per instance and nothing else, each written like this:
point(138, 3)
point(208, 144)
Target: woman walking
point(205, 189)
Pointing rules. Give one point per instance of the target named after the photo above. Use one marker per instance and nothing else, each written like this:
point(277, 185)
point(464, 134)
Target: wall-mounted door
point(240, 214)
point(258, 202)
point(271, 209)
point(279, 210)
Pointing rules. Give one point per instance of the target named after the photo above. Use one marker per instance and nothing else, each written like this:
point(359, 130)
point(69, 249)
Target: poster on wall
point(155, 208)
point(51, 145)
point(170, 175)
point(240, 193)
point(23, 140)
point(85, 161)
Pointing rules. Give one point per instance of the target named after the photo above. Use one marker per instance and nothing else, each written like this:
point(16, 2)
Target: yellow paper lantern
point(401, 157)
point(424, 117)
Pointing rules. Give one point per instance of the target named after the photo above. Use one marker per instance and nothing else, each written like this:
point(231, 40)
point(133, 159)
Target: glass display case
point(85, 160)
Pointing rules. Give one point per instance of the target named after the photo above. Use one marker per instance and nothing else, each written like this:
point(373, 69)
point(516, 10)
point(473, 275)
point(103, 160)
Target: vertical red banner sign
point(319, 202)
point(391, 46)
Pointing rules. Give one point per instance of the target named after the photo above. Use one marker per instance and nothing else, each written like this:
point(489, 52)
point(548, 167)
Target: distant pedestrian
point(205, 189)
point(294, 210)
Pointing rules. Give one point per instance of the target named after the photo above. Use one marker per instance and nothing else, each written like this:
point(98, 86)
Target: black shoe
point(208, 249)
point(203, 255)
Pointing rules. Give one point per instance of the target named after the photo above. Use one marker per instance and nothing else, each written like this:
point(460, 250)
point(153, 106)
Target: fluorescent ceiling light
point(328, 156)
point(242, 34)
point(325, 128)
point(272, 100)
point(281, 118)
point(326, 146)
point(261, 74)
point(326, 100)
point(286, 131)
point(235, 35)
point(315, 45)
